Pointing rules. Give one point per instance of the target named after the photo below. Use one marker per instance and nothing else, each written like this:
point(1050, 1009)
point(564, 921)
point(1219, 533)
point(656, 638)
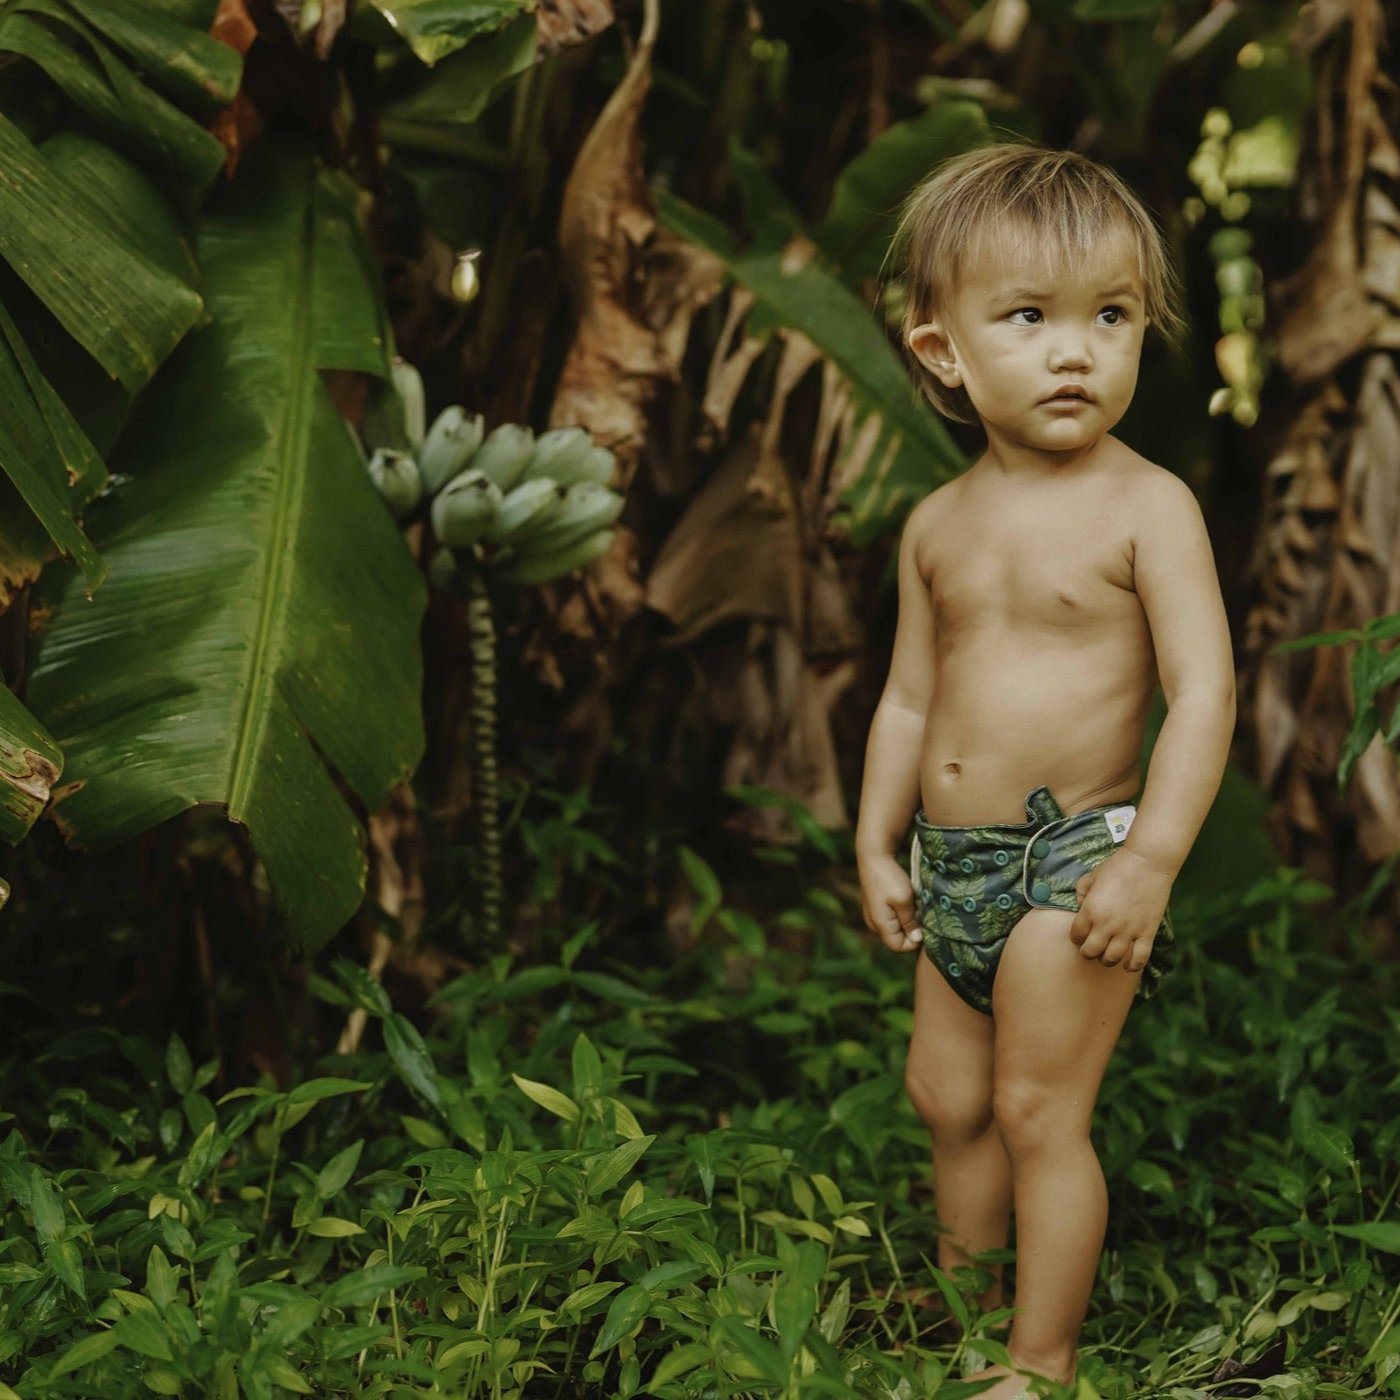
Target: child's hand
point(1121, 902)
point(887, 902)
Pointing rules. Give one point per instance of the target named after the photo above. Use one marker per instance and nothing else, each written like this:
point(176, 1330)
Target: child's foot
point(1013, 1387)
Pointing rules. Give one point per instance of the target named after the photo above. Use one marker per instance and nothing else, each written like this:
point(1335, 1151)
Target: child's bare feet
point(1015, 1384)
point(1013, 1387)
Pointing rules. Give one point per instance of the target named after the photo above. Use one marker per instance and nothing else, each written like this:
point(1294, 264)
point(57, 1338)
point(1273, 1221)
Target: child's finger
point(1138, 956)
point(901, 932)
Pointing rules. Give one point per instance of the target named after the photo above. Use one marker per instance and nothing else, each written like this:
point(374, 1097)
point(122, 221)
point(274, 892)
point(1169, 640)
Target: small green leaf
point(90, 1348)
point(704, 882)
point(830, 1192)
point(63, 1258)
point(142, 1333)
point(314, 1090)
point(586, 1296)
point(1379, 1234)
point(795, 1296)
point(762, 1357)
point(334, 1176)
point(1387, 1344)
point(678, 1361)
point(411, 1059)
point(952, 1297)
point(161, 1283)
point(331, 1227)
point(365, 1285)
point(1331, 1147)
point(587, 1067)
point(624, 1120)
point(179, 1069)
point(279, 1370)
point(48, 1213)
point(198, 1158)
point(422, 1132)
point(1148, 1176)
point(547, 1097)
point(627, 1310)
point(606, 1170)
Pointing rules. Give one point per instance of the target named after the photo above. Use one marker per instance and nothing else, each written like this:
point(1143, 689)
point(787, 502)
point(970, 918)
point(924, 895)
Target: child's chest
point(1064, 569)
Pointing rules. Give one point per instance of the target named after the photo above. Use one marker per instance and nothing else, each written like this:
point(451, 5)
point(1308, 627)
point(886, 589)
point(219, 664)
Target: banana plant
point(106, 303)
point(505, 505)
point(256, 642)
point(806, 280)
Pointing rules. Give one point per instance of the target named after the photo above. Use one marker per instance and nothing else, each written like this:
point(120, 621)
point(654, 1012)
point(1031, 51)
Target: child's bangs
point(1066, 243)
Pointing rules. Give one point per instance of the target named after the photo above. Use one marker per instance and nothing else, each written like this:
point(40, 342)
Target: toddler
point(1043, 593)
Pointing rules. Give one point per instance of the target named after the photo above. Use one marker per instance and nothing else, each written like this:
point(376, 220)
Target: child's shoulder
point(1150, 486)
point(921, 524)
point(934, 504)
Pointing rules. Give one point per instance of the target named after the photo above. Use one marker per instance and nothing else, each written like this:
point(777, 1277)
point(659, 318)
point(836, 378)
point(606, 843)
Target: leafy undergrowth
point(701, 1179)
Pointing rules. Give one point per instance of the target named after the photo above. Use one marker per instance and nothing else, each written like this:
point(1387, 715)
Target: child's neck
point(1009, 457)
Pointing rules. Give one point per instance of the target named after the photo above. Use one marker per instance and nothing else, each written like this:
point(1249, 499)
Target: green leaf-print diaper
point(973, 883)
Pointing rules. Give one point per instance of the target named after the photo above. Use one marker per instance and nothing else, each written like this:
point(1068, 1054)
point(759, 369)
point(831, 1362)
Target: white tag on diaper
point(1119, 819)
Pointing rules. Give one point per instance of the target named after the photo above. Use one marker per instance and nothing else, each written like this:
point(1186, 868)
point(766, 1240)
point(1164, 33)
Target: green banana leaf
point(256, 643)
point(913, 451)
point(30, 764)
point(435, 28)
point(464, 84)
point(865, 199)
point(116, 99)
point(118, 281)
point(97, 285)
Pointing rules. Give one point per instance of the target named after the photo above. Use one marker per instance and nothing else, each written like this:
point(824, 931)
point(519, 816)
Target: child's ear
point(933, 349)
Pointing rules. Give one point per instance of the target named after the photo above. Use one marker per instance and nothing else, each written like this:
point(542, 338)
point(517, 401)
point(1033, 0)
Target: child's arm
point(1174, 574)
point(890, 787)
point(1122, 899)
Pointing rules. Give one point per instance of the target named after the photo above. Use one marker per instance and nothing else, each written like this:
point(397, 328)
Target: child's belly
point(1015, 711)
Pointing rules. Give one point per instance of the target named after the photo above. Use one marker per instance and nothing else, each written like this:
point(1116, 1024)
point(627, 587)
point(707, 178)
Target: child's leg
point(948, 1076)
point(1058, 1016)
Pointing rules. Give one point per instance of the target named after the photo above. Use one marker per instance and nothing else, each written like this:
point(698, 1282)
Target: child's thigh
point(1058, 1014)
point(948, 1073)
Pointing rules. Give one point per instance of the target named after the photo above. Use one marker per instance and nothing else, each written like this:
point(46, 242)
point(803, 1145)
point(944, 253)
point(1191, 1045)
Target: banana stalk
point(481, 631)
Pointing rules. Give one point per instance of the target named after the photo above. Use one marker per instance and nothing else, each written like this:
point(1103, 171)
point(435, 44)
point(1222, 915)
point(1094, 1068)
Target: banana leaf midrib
point(291, 430)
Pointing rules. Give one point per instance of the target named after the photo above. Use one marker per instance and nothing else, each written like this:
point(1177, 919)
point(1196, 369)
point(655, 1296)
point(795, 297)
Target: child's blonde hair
point(1039, 198)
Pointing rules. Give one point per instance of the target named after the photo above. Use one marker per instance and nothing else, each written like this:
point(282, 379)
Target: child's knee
point(1029, 1114)
point(953, 1112)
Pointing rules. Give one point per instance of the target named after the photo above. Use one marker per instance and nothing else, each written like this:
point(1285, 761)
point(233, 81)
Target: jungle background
point(436, 969)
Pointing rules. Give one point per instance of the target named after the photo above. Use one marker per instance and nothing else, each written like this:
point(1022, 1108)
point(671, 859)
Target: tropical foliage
point(598, 1090)
point(594, 1178)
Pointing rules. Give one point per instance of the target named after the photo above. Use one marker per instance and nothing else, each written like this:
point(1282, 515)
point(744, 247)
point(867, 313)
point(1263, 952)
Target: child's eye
point(1118, 312)
point(1020, 309)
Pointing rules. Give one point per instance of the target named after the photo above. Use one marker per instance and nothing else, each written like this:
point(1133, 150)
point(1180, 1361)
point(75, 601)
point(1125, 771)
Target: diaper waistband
point(1040, 805)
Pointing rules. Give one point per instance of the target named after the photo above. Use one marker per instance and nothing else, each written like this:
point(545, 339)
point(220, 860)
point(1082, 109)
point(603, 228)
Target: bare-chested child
point(1043, 594)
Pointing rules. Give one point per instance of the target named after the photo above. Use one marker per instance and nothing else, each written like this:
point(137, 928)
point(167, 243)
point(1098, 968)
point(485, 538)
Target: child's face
point(1016, 333)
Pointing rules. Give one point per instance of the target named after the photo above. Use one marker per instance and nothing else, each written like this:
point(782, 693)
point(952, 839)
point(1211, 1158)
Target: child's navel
point(954, 768)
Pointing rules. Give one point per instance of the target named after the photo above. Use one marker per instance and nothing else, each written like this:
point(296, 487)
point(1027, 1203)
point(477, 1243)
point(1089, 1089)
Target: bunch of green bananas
point(531, 508)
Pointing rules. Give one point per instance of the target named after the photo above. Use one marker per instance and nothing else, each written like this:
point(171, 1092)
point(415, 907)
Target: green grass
point(587, 1177)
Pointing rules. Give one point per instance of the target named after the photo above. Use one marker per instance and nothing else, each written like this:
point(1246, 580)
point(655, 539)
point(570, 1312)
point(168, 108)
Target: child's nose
point(1070, 352)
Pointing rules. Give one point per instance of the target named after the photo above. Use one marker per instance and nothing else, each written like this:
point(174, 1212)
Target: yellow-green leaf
point(550, 1098)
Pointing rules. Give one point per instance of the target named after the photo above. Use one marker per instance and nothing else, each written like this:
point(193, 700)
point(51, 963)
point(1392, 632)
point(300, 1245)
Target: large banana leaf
point(76, 49)
point(855, 232)
point(30, 763)
point(258, 633)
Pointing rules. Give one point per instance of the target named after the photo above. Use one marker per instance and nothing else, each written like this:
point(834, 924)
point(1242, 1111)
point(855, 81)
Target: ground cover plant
point(701, 1178)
